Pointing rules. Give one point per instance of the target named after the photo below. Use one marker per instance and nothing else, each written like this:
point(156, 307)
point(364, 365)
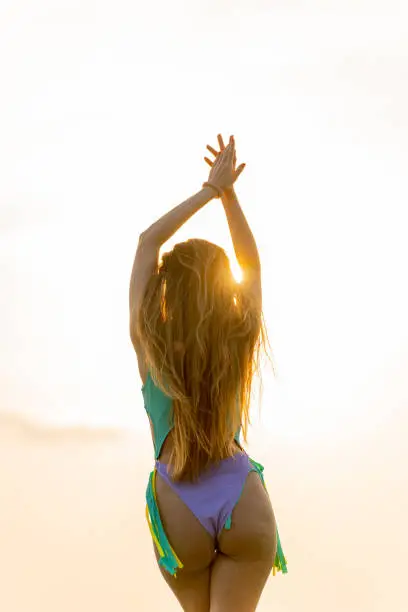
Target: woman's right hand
point(223, 173)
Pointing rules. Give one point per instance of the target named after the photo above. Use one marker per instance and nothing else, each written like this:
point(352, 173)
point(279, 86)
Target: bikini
point(211, 499)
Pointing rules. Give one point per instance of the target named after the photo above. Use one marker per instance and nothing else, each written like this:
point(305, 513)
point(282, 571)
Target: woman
point(197, 335)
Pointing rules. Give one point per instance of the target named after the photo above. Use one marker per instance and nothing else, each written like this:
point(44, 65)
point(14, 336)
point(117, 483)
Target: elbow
point(146, 239)
point(143, 241)
point(142, 238)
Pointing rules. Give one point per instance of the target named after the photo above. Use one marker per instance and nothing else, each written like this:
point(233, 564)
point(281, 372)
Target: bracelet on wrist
point(217, 190)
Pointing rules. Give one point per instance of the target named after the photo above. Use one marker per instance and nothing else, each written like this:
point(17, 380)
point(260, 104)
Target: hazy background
point(105, 112)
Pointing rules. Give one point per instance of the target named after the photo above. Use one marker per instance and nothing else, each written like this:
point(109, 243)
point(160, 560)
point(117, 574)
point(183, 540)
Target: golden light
point(236, 270)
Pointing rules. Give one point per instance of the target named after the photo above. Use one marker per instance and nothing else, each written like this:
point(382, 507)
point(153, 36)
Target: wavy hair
point(201, 337)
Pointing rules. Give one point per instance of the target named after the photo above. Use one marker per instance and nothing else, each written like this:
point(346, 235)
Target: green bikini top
point(159, 408)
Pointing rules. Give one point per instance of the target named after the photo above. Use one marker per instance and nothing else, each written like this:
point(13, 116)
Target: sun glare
point(236, 270)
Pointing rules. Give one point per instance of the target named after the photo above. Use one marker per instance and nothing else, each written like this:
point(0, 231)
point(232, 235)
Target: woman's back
point(200, 333)
point(197, 334)
point(159, 408)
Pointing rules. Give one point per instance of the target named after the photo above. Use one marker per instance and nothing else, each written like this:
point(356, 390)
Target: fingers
point(221, 144)
point(212, 150)
point(219, 158)
point(239, 170)
point(230, 150)
point(224, 156)
point(226, 152)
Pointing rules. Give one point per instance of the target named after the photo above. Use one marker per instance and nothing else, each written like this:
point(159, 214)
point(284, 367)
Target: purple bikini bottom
point(213, 497)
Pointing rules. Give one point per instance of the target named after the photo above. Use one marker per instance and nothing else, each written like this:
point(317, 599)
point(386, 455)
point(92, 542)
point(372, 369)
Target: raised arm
point(150, 241)
point(243, 240)
point(245, 247)
point(146, 260)
point(163, 229)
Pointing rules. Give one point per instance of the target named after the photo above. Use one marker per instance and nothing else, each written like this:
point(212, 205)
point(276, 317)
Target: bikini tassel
point(168, 558)
point(280, 559)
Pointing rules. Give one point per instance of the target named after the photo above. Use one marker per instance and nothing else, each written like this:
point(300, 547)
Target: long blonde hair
point(201, 338)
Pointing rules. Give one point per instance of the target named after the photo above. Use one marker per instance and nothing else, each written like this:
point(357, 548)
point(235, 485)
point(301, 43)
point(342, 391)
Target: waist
point(239, 462)
point(168, 445)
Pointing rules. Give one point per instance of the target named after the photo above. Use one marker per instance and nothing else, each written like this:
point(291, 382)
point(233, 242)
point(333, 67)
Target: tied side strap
point(280, 563)
point(168, 558)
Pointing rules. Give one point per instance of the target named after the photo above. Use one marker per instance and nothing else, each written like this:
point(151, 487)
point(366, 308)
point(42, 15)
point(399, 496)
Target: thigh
point(193, 545)
point(246, 552)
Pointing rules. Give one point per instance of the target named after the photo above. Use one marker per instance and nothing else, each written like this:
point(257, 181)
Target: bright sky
point(105, 113)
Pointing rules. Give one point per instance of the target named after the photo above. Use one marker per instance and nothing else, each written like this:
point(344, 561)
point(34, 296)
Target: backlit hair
point(201, 337)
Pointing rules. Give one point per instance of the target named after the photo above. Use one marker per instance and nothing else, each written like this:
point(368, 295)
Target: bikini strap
point(168, 558)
